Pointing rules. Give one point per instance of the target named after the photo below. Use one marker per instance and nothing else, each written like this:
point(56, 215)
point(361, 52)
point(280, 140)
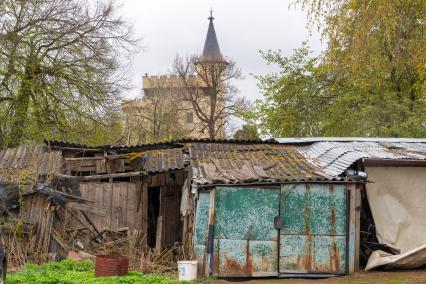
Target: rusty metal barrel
point(111, 265)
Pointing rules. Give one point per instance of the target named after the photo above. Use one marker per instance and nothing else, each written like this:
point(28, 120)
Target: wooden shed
point(133, 188)
point(264, 210)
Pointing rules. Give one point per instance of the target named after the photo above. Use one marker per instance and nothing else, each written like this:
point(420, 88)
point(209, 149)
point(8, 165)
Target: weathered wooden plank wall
point(125, 204)
point(119, 201)
point(39, 215)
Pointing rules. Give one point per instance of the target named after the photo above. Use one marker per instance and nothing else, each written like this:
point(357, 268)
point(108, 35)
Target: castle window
point(189, 117)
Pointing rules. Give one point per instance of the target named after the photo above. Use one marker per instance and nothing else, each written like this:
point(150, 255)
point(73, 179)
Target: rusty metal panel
point(244, 258)
point(201, 229)
point(202, 219)
point(264, 258)
point(313, 238)
point(245, 238)
point(233, 258)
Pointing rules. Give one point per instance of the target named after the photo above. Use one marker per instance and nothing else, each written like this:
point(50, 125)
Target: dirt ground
point(377, 277)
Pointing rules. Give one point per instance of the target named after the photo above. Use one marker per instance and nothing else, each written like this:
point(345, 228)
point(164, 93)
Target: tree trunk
point(21, 105)
point(212, 132)
point(213, 101)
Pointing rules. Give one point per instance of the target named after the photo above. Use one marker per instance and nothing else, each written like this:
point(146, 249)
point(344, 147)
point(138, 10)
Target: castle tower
point(163, 112)
point(211, 50)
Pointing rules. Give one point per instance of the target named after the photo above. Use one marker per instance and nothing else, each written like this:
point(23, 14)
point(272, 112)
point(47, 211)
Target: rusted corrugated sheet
point(182, 142)
point(222, 163)
point(334, 158)
point(309, 140)
point(159, 160)
point(27, 163)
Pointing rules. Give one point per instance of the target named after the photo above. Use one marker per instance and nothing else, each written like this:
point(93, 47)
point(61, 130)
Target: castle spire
point(211, 50)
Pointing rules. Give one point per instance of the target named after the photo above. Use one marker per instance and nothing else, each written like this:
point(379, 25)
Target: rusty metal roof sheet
point(152, 146)
point(159, 160)
point(298, 140)
point(334, 158)
point(221, 163)
point(27, 163)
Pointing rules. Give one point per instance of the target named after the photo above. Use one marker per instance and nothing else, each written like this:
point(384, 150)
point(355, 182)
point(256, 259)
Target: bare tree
point(156, 116)
point(207, 86)
point(60, 61)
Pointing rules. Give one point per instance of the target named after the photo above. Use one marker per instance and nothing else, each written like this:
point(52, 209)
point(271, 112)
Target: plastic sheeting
point(9, 195)
point(412, 259)
point(397, 197)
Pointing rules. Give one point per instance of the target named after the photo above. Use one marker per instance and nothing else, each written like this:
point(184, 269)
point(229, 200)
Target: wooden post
point(158, 240)
point(358, 208)
point(354, 196)
point(215, 266)
point(144, 207)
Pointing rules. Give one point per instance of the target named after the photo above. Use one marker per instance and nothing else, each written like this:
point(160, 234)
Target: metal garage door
point(245, 240)
point(313, 237)
point(296, 230)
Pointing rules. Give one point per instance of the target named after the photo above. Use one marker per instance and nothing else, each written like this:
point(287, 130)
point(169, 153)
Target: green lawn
point(72, 272)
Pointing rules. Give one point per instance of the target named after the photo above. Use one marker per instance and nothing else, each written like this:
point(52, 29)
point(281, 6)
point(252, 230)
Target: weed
point(72, 272)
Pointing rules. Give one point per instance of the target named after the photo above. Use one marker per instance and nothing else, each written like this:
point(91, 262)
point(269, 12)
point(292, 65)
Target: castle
point(164, 111)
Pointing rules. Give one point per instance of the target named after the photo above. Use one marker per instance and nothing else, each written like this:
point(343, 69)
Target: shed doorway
point(153, 214)
point(291, 231)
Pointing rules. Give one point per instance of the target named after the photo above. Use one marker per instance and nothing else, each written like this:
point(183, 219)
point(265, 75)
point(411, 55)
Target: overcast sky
point(243, 27)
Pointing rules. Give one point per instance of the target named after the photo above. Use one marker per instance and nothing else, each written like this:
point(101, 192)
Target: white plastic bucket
point(187, 270)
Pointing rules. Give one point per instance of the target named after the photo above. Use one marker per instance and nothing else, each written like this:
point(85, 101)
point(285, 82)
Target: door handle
point(278, 223)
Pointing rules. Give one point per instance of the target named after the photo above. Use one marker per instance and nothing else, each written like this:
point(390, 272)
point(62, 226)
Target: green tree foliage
point(247, 132)
point(370, 80)
point(60, 70)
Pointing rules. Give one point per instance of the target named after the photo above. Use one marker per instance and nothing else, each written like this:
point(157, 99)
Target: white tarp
point(410, 260)
point(397, 197)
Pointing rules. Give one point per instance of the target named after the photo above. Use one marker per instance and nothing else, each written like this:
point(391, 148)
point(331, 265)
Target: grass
point(72, 272)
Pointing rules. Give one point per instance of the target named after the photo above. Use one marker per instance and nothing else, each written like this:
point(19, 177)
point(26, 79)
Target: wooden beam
point(110, 157)
point(86, 208)
point(77, 149)
point(92, 224)
point(358, 207)
point(394, 163)
point(353, 238)
point(159, 233)
point(107, 176)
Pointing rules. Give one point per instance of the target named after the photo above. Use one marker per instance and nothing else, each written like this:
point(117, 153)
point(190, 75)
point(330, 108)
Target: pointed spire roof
point(211, 50)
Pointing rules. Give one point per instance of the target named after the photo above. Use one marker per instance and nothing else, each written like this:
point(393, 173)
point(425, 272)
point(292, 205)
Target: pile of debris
point(53, 225)
point(44, 217)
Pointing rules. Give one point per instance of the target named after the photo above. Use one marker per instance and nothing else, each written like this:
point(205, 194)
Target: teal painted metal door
point(202, 230)
point(313, 237)
point(245, 241)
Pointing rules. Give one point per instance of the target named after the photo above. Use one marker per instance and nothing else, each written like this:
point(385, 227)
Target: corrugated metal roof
point(62, 144)
point(220, 163)
point(334, 158)
point(160, 160)
point(344, 139)
point(152, 146)
point(27, 163)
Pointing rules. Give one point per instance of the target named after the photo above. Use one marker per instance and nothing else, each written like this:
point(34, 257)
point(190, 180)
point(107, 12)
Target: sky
point(243, 27)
